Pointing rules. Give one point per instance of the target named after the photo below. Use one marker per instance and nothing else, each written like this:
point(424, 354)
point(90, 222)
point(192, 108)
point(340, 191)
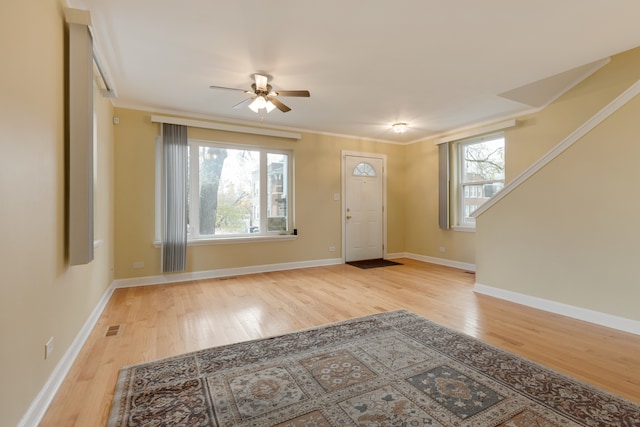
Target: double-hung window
point(481, 174)
point(238, 191)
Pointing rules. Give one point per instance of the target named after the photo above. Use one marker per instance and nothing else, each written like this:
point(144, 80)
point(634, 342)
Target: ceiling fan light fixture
point(269, 106)
point(258, 104)
point(253, 108)
point(400, 127)
point(263, 96)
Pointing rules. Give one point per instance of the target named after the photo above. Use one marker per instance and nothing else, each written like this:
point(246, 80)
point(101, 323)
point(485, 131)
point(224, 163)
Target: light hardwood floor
point(165, 320)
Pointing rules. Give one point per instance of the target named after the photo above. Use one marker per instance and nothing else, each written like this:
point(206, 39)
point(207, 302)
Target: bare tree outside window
point(481, 173)
point(484, 161)
point(211, 164)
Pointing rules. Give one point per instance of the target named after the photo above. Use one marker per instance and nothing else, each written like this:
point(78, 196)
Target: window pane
point(475, 196)
point(229, 186)
point(484, 161)
point(471, 201)
point(277, 192)
point(364, 169)
point(481, 174)
point(237, 190)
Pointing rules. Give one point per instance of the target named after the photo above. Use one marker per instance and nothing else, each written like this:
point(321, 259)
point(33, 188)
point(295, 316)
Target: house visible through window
point(237, 191)
point(481, 174)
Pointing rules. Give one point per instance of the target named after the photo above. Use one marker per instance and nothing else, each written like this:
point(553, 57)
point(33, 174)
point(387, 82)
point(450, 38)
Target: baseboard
point(265, 268)
point(223, 272)
point(433, 260)
point(591, 316)
point(39, 406)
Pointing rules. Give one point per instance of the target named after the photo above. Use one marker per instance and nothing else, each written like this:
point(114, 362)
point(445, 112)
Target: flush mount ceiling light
point(399, 127)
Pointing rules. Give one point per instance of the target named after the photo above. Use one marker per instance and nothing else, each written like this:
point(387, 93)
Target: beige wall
point(423, 234)
point(317, 173)
point(546, 239)
point(570, 233)
point(540, 132)
point(40, 295)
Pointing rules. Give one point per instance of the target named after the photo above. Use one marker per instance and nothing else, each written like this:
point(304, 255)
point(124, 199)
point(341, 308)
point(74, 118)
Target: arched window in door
point(364, 169)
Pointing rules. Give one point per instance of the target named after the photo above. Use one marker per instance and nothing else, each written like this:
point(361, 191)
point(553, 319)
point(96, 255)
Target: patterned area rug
point(389, 369)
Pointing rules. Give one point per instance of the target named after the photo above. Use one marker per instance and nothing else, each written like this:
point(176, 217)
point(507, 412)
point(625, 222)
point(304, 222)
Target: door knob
point(348, 216)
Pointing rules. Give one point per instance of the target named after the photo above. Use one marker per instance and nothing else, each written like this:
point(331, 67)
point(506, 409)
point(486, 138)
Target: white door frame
point(343, 207)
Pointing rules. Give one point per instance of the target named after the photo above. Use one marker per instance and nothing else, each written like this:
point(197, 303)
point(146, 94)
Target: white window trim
point(273, 236)
point(464, 228)
point(459, 225)
point(234, 240)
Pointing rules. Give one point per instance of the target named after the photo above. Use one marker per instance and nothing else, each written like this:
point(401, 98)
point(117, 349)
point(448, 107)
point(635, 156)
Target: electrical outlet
point(138, 264)
point(443, 249)
point(48, 348)
point(332, 248)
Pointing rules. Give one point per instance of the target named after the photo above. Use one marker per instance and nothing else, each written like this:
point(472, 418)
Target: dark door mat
point(373, 263)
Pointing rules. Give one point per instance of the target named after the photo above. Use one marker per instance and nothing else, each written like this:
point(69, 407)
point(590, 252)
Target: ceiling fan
point(263, 95)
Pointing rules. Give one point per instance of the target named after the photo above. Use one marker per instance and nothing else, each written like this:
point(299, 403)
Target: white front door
point(363, 203)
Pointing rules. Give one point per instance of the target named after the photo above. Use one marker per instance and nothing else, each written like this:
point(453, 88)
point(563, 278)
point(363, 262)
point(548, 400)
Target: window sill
point(464, 228)
point(235, 240)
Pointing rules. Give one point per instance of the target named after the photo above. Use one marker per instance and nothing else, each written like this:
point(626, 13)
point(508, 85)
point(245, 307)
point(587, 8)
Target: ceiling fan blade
point(229, 88)
point(304, 93)
point(261, 81)
point(280, 105)
point(243, 103)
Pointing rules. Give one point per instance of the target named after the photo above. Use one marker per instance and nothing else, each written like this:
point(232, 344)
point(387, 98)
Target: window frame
point(461, 224)
point(197, 239)
point(263, 191)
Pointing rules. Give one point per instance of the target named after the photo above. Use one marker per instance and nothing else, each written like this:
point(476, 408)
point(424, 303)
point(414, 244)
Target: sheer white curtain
point(174, 202)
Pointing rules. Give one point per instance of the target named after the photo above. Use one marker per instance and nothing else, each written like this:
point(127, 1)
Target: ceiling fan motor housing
point(260, 92)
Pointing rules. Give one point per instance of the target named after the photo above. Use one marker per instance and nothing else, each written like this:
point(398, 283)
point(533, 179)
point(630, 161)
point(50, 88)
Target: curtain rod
point(83, 17)
point(225, 127)
point(478, 131)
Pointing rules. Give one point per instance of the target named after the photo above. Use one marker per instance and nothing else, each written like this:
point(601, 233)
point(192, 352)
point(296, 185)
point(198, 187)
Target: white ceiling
point(439, 65)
